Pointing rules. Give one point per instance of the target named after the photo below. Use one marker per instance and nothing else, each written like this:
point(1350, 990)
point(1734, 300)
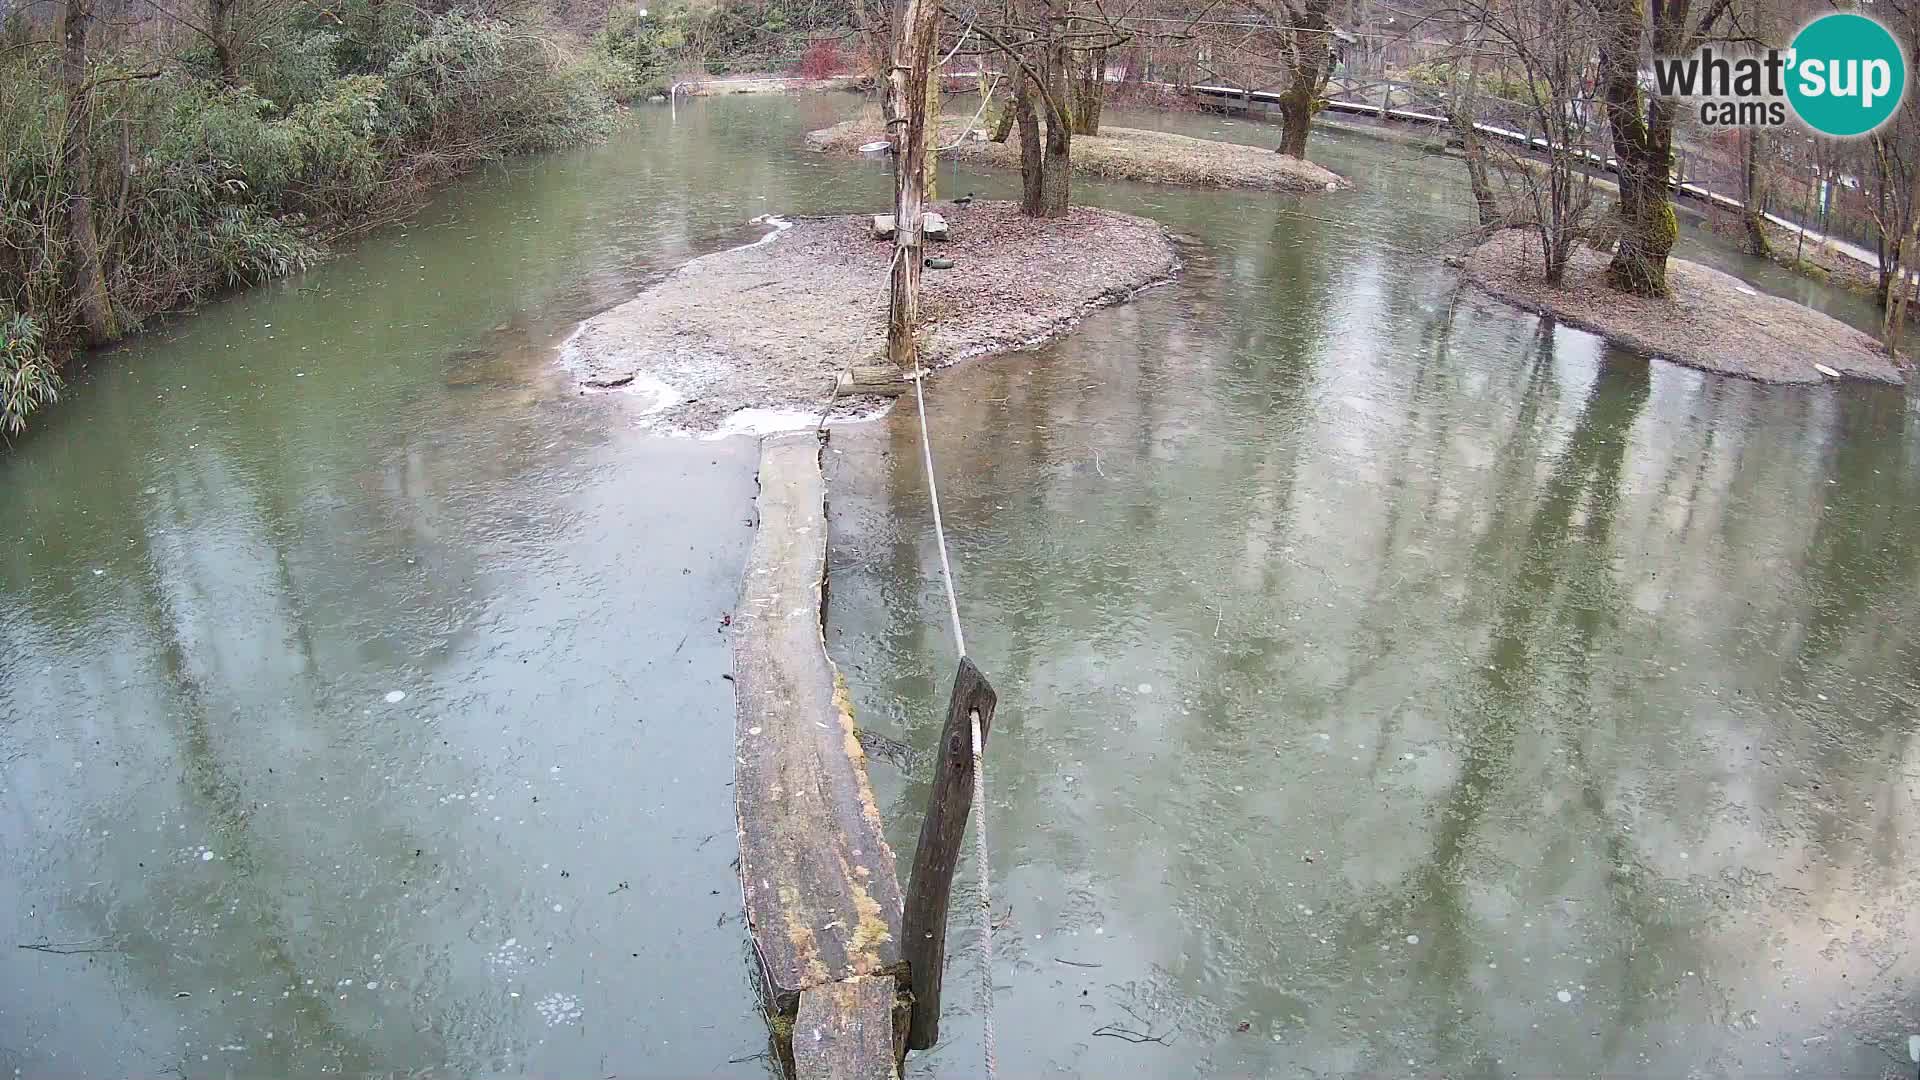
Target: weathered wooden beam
point(872, 379)
point(848, 1030)
point(816, 875)
point(924, 926)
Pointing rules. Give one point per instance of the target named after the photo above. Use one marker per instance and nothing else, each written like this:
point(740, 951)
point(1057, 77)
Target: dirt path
point(751, 339)
point(1714, 321)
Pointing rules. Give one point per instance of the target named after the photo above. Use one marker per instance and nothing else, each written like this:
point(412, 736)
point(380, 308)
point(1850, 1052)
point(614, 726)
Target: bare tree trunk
point(1478, 178)
point(1089, 90)
point(1310, 63)
point(1806, 212)
point(1642, 131)
point(1904, 266)
point(1896, 313)
point(1056, 182)
point(1889, 216)
point(1754, 195)
point(1462, 118)
point(1004, 117)
point(1032, 164)
point(220, 33)
point(873, 41)
point(1643, 153)
point(88, 282)
point(907, 88)
point(931, 171)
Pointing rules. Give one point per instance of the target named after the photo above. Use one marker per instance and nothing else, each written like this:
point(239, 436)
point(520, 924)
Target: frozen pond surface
point(1376, 669)
point(1392, 685)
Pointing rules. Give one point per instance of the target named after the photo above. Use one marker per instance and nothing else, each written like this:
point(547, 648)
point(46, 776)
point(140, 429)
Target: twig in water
point(1114, 1032)
point(1074, 963)
point(761, 1056)
point(68, 948)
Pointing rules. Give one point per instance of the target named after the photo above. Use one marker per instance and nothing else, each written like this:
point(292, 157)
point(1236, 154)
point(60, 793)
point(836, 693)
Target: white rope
point(939, 531)
point(977, 114)
point(979, 761)
point(986, 897)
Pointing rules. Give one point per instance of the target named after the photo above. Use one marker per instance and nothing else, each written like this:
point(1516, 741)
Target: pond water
point(361, 698)
point(1392, 683)
point(1375, 665)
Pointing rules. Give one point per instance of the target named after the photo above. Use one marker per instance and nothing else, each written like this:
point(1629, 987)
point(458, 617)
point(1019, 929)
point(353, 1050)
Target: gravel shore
point(752, 338)
point(1714, 321)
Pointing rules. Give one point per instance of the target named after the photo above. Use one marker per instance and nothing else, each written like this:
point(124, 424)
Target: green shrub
point(295, 65)
point(371, 33)
point(27, 378)
point(341, 118)
point(481, 88)
point(643, 50)
point(247, 246)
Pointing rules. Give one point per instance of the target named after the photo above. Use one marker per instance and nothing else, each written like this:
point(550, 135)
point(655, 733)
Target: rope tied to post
point(978, 740)
point(986, 898)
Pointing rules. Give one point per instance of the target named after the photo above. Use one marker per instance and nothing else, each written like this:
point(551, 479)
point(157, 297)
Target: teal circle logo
point(1847, 74)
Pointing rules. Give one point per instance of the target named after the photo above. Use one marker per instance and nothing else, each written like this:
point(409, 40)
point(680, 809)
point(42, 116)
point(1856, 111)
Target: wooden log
point(847, 1031)
point(924, 925)
point(816, 874)
point(882, 379)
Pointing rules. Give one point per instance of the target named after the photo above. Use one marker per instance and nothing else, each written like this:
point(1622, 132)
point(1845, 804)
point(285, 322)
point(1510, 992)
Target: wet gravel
point(768, 327)
point(1713, 321)
point(1117, 153)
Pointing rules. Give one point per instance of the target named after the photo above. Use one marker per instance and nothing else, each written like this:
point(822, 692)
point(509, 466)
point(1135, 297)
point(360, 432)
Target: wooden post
point(923, 926)
point(907, 94)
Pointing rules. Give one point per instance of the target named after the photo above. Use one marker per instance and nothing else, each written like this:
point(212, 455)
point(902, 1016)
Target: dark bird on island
point(964, 200)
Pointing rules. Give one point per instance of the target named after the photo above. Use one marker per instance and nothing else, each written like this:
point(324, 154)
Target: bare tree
point(1753, 191)
point(1308, 39)
point(1089, 84)
point(88, 282)
point(1055, 52)
point(1036, 39)
point(1896, 160)
point(913, 41)
point(1548, 189)
point(1897, 212)
point(1463, 118)
point(1641, 128)
point(1281, 46)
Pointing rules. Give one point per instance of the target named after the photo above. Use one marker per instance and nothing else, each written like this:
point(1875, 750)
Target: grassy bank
point(198, 169)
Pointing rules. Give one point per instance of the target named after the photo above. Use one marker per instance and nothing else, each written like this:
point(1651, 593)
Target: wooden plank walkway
point(822, 898)
point(846, 1029)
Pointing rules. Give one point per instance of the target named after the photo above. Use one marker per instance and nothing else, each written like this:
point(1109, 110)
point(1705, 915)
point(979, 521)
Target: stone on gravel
point(932, 227)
